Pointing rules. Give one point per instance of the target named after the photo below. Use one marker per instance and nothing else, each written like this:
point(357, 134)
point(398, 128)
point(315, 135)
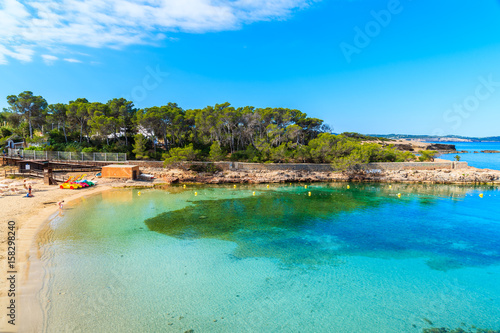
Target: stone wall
point(147, 164)
point(240, 166)
point(416, 166)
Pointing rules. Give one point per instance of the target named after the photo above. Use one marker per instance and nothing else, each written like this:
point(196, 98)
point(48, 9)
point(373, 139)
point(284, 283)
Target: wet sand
point(29, 215)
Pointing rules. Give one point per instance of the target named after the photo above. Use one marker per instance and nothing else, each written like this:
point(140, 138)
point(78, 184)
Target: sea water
point(279, 259)
point(478, 160)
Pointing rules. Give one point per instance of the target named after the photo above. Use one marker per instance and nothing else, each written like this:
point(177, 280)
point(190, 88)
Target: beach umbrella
point(6, 181)
point(14, 184)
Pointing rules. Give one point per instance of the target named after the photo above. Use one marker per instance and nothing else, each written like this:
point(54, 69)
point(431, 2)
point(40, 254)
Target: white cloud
point(49, 59)
point(71, 60)
point(31, 24)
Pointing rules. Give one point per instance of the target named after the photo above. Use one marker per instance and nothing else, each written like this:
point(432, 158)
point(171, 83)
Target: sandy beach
point(29, 214)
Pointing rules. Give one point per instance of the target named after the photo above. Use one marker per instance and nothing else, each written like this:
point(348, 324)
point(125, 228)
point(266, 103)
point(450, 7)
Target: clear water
point(482, 161)
point(339, 260)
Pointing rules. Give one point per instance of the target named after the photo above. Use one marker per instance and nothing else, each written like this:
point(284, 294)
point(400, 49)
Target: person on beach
point(60, 204)
point(29, 192)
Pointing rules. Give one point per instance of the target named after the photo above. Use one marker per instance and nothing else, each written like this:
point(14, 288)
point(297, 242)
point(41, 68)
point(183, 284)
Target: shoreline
point(43, 206)
point(28, 224)
point(465, 176)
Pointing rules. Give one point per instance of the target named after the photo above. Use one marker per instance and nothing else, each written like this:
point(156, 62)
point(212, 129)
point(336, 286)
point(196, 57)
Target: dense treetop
point(219, 132)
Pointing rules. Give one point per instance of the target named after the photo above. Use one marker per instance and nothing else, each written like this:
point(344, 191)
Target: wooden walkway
point(37, 167)
point(33, 173)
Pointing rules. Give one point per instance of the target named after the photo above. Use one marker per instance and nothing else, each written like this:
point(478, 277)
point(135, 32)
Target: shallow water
point(339, 260)
point(480, 160)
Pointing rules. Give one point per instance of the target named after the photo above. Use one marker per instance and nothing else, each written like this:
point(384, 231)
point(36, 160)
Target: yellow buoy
point(348, 187)
point(305, 186)
point(309, 193)
point(481, 195)
point(390, 186)
point(399, 195)
point(139, 193)
point(234, 186)
point(267, 186)
point(290, 183)
point(253, 193)
point(195, 193)
point(184, 186)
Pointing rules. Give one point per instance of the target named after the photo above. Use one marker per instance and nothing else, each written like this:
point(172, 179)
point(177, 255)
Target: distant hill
point(447, 138)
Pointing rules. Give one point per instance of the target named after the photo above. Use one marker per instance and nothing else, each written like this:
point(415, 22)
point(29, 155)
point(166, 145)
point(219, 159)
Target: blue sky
point(424, 67)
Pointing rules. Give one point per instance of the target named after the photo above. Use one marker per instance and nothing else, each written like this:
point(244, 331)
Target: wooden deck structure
point(47, 169)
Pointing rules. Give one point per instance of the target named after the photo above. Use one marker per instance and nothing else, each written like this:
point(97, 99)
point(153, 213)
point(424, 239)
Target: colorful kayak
point(76, 183)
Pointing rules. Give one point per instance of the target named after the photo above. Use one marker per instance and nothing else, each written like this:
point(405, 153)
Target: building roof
point(16, 138)
point(120, 166)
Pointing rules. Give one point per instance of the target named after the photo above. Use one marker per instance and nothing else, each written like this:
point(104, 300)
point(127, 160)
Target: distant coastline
point(429, 138)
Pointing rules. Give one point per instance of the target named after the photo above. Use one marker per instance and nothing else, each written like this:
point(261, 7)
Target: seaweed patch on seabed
point(298, 229)
point(471, 329)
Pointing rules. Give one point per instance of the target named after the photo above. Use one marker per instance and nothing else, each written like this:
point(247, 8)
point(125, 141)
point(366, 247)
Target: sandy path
point(29, 214)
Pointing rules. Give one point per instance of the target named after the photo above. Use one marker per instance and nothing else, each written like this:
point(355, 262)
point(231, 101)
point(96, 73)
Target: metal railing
point(33, 173)
point(67, 156)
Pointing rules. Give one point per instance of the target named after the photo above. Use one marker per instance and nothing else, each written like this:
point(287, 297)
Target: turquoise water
point(483, 161)
point(339, 260)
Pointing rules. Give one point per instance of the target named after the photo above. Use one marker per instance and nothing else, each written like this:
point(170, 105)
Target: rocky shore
point(445, 176)
point(417, 146)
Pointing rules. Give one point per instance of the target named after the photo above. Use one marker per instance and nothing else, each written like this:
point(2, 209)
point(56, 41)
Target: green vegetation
point(457, 158)
point(175, 155)
point(168, 132)
point(140, 147)
point(427, 155)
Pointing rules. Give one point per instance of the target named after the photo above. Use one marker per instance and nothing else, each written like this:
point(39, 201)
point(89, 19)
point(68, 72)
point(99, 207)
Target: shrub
point(427, 155)
point(216, 152)
point(175, 155)
point(140, 147)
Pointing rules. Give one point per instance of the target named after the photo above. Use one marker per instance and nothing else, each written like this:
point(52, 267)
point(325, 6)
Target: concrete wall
point(369, 166)
point(240, 166)
point(126, 171)
point(416, 166)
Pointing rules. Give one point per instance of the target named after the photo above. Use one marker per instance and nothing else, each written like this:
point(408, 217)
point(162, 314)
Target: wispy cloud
point(33, 24)
point(49, 59)
point(71, 60)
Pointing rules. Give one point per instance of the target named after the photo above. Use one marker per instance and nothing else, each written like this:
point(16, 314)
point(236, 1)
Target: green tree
point(140, 147)
point(78, 113)
point(405, 156)
point(5, 132)
point(102, 123)
point(302, 153)
point(458, 158)
point(427, 155)
point(353, 161)
point(280, 153)
point(216, 152)
point(175, 155)
point(124, 113)
point(57, 113)
point(30, 107)
point(166, 122)
point(326, 147)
